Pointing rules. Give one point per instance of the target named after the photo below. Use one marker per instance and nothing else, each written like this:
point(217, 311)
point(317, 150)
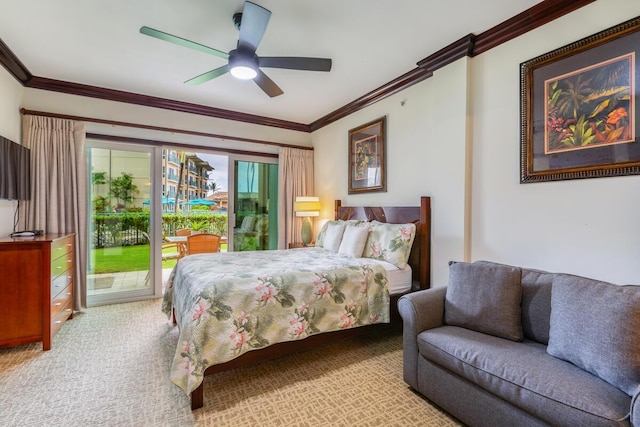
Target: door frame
point(155, 226)
point(231, 210)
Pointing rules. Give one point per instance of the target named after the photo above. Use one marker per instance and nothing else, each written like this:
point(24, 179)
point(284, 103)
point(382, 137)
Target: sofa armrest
point(635, 409)
point(420, 311)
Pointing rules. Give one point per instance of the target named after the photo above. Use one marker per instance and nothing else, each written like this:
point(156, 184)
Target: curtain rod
point(194, 147)
point(160, 128)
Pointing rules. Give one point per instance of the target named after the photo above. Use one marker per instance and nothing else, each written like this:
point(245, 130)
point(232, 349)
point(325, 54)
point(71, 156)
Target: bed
point(238, 308)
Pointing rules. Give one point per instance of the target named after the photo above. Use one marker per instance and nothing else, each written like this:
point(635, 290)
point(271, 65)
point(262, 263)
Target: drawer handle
point(68, 261)
point(68, 293)
point(57, 322)
point(58, 267)
point(58, 304)
point(68, 310)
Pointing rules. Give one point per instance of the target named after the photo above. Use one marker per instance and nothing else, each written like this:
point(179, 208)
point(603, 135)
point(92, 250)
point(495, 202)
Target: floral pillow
point(390, 242)
point(323, 230)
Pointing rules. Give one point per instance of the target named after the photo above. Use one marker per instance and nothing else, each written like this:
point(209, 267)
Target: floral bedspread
point(229, 303)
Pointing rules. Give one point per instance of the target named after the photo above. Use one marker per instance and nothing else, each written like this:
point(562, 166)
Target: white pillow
point(333, 237)
point(353, 241)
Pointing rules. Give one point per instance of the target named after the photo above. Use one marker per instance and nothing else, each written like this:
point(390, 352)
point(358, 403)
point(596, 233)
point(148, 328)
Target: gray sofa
point(509, 346)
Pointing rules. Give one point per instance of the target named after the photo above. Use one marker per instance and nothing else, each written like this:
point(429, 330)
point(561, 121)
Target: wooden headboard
point(420, 258)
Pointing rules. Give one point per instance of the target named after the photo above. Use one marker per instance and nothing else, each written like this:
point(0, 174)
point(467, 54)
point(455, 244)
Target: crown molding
point(470, 45)
point(526, 21)
point(13, 64)
point(447, 55)
point(156, 102)
point(406, 80)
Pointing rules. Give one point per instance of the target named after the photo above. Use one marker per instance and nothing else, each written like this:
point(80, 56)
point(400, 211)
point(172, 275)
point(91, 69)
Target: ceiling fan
point(243, 63)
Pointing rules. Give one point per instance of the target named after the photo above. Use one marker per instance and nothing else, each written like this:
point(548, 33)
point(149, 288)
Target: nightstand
point(299, 245)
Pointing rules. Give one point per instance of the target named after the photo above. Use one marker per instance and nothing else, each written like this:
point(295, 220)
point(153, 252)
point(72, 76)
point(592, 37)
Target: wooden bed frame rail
point(419, 260)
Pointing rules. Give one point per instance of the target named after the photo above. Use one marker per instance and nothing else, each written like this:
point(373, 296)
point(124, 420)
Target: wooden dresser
point(36, 287)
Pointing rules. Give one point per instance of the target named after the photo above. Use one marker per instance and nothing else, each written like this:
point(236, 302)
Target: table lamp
point(307, 207)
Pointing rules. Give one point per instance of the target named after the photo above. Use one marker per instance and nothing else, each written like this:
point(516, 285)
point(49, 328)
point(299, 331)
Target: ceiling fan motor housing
point(237, 19)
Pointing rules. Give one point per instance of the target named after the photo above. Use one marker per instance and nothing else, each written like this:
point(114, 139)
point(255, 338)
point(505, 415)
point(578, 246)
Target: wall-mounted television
point(15, 171)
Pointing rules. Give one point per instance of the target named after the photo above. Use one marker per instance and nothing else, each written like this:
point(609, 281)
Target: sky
point(220, 172)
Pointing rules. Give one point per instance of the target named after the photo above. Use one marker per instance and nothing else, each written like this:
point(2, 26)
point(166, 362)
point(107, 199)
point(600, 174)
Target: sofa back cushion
point(485, 298)
point(536, 304)
point(596, 326)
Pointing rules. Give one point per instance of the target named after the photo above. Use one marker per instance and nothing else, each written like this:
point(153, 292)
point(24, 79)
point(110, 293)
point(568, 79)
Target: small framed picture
point(367, 162)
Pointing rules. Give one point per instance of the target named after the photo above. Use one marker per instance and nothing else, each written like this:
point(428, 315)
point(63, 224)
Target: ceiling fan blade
point(209, 75)
point(182, 42)
point(253, 25)
point(267, 85)
point(295, 63)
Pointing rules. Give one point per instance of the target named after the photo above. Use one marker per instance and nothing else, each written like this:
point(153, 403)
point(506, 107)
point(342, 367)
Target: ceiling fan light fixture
point(243, 72)
point(243, 65)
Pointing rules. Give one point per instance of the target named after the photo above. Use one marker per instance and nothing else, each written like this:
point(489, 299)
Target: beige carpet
point(109, 367)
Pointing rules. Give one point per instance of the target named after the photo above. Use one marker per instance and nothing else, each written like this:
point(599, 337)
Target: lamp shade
point(307, 206)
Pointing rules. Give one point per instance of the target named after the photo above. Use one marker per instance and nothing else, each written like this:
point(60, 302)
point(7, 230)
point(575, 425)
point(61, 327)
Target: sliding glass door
point(254, 204)
point(122, 216)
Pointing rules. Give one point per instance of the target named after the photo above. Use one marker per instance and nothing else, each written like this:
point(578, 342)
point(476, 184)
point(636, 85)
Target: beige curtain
point(295, 178)
point(58, 202)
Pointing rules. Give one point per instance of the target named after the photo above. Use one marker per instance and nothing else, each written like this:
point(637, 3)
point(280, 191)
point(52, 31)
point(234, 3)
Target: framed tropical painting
point(367, 162)
point(579, 108)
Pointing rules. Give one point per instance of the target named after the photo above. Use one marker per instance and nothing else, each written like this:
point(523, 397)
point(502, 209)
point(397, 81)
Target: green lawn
point(127, 258)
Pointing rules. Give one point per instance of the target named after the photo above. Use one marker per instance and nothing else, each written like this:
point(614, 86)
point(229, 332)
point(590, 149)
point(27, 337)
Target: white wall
point(40, 100)
point(425, 157)
point(11, 94)
point(588, 227)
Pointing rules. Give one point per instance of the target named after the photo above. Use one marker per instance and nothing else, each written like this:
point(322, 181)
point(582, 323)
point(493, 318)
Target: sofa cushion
point(596, 326)
point(485, 298)
point(536, 302)
point(524, 375)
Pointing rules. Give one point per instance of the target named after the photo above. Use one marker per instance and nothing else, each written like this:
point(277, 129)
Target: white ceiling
point(371, 42)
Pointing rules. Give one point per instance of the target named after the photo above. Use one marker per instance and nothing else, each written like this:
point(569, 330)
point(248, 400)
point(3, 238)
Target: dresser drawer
point(61, 264)
point(57, 320)
point(61, 300)
point(61, 247)
point(61, 281)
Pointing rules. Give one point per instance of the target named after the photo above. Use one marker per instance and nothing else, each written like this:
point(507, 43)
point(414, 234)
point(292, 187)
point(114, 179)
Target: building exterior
point(195, 176)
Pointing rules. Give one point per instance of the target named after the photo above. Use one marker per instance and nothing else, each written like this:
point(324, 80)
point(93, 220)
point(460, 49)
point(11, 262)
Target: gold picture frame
point(367, 157)
point(579, 109)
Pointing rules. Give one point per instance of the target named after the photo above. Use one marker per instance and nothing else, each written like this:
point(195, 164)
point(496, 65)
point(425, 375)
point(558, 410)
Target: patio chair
point(183, 232)
point(203, 243)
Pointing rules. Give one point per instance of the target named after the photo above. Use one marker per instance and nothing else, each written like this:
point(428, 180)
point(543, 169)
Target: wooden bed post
point(197, 397)
point(336, 209)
